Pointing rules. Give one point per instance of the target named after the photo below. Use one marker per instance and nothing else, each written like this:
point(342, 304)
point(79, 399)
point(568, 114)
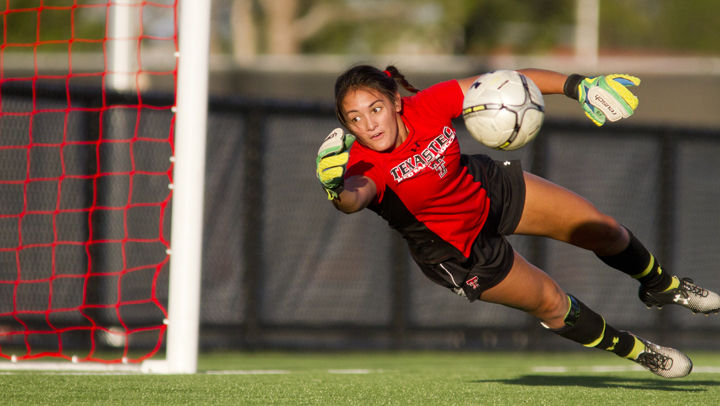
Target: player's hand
point(607, 97)
point(331, 160)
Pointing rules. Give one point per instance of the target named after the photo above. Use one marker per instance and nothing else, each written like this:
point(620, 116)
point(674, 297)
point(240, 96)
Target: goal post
point(188, 190)
point(95, 272)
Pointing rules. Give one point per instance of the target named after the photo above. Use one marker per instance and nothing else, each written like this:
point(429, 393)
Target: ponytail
point(395, 74)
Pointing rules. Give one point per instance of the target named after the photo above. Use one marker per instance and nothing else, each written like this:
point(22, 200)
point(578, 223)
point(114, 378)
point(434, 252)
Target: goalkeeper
point(403, 162)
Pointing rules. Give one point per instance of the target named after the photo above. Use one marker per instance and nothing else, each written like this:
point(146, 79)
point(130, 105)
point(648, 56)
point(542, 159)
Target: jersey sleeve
point(360, 164)
point(444, 99)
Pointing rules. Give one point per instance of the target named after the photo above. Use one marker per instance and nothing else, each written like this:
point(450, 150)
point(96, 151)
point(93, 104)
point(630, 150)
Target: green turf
point(412, 378)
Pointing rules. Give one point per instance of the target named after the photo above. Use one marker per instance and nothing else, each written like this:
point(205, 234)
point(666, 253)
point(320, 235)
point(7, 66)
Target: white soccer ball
point(503, 109)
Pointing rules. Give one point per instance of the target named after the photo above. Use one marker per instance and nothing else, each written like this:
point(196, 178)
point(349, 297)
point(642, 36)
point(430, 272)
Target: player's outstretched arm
point(603, 98)
point(549, 82)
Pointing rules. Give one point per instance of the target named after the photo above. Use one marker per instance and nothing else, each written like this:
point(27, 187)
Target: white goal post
point(188, 191)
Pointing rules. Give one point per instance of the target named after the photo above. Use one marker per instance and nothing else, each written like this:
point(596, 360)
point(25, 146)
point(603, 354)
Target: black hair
point(385, 82)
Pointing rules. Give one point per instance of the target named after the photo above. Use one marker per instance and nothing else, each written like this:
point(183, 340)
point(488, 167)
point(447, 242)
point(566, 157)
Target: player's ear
point(397, 102)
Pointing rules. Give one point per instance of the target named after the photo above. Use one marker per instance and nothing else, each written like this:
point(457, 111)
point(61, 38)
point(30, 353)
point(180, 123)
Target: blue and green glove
point(604, 98)
point(332, 158)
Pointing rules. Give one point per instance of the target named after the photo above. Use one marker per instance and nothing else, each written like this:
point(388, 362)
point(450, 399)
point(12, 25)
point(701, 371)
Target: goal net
point(87, 117)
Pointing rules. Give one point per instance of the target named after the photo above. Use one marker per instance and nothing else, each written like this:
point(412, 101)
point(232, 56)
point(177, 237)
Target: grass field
point(381, 378)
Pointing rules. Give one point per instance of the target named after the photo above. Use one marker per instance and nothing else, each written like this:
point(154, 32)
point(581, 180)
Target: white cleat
point(664, 361)
point(687, 294)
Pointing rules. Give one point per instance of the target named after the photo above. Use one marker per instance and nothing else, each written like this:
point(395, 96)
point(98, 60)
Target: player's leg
point(528, 288)
point(555, 212)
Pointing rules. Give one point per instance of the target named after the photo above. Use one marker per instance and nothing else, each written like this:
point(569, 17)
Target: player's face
point(373, 118)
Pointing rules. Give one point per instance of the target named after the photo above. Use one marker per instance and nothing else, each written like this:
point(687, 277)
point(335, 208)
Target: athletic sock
point(640, 264)
point(588, 328)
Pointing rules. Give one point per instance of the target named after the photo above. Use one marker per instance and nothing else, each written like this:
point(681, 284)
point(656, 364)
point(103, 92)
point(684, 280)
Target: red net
point(84, 174)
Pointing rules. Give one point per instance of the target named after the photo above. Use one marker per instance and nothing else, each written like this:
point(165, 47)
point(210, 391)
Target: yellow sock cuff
point(674, 284)
point(569, 308)
point(647, 270)
point(637, 349)
point(599, 339)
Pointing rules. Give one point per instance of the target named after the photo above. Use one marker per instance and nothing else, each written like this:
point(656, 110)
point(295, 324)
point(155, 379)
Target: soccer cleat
point(687, 294)
point(664, 361)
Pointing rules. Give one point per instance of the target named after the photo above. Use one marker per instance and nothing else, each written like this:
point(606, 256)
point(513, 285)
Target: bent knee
point(603, 235)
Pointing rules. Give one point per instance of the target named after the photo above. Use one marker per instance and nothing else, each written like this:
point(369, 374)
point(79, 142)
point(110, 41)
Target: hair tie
point(387, 72)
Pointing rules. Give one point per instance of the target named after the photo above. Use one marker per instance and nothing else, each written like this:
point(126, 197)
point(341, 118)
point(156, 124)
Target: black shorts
point(492, 256)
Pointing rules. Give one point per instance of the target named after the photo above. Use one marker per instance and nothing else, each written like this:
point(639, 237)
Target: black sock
point(639, 263)
point(588, 328)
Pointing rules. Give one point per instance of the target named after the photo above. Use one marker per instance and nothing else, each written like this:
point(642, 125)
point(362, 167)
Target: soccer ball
point(503, 110)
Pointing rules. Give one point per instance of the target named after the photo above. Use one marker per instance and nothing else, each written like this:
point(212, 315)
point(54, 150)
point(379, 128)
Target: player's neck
point(402, 131)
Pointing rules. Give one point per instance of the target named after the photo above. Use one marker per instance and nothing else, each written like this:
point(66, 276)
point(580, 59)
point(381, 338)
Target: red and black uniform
point(451, 208)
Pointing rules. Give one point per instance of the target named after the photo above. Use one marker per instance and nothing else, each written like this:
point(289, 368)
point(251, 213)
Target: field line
point(612, 368)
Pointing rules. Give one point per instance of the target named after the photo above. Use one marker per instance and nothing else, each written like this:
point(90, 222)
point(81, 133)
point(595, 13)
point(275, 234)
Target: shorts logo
point(472, 282)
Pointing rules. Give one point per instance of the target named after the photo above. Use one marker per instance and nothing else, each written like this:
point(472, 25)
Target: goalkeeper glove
point(603, 97)
point(331, 160)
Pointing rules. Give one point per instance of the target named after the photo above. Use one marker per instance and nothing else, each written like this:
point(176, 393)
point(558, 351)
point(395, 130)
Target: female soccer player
point(455, 210)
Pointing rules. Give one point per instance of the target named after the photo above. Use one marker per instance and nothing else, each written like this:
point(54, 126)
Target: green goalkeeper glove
point(331, 160)
point(603, 97)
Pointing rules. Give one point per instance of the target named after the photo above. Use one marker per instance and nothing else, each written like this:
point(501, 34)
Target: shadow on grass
point(605, 382)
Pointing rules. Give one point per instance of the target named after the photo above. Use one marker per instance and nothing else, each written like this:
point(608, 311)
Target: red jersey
point(423, 189)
